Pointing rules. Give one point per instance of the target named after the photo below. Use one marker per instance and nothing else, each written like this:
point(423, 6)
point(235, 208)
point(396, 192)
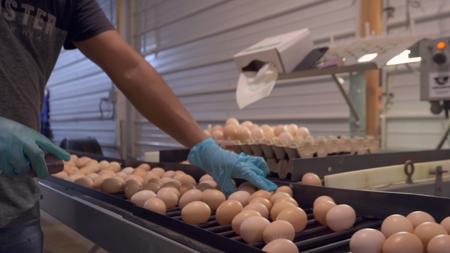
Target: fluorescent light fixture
point(368, 57)
point(403, 58)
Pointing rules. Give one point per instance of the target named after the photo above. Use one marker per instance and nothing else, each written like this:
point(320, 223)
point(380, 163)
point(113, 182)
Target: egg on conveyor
point(311, 179)
point(246, 186)
point(278, 195)
point(322, 198)
point(232, 121)
point(403, 242)
point(140, 197)
point(227, 211)
point(84, 181)
point(396, 223)
point(263, 201)
point(427, 230)
point(281, 246)
point(261, 193)
point(320, 210)
point(240, 217)
point(132, 186)
point(285, 189)
point(213, 198)
point(156, 205)
point(296, 216)
point(367, 240)
point(446, 224)
point(113, 185)
point(190, 196)
point(169, 197)
point(196, 212)
point(278, 229)
point(278, 207)
point(241, 196)
point(259, 207)
point(418, 217)
point(439, 244)
point(252, 229)
point(340, 217)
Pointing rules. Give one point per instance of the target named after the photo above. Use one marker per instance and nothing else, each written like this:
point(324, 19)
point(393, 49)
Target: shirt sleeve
point(87, 20)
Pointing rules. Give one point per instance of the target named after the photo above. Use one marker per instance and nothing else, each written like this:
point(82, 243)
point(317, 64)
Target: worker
point(32, 33)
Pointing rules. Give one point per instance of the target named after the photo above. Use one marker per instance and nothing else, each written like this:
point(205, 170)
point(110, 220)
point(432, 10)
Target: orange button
point(441, 45)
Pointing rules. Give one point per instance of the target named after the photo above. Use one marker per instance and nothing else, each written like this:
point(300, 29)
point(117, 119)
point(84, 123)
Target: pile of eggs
point(290, 136)
point(418, 232)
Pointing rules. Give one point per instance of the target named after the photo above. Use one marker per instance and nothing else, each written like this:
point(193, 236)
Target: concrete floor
point(59, 238)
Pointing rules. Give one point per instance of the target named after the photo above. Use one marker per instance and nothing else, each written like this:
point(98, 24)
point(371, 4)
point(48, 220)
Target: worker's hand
point(224, 165)
point(22, 149)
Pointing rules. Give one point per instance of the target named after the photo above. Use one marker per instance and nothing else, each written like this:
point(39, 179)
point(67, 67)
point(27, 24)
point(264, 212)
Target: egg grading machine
point(117, 225)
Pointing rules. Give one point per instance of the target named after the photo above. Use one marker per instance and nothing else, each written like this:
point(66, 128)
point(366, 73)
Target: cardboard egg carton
point(280, 155)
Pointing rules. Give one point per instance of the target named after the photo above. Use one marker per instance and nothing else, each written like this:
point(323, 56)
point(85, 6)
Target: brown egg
point(63, 174)
point(144, 166)
point(243, 134)
point(187, 179)
point(292, 129)
point(240, 217)
point(227, 210)
point(206, 177)
point(418, 217)
point(190, 196)
point(169, 173)
point(259, 207)
point(103, 165)
point(84, 181)
point(287, 199)
point(151, 185)
point(257, 134)
point(247, 124)
point(278, 229)
point(82, 161)
point(302, 132)
point(113, 185)
point(285, 189)
point(241, 196)
point(246, 186)
point(170, 183)
point(196, 212)
point(128, 170)
point(285, 139)
point(213, 198)
point(229, 132)
point(296, 216)
point(171, 189)
point(186, 187)
point(367, 240)
point(114, 166)
point(403, 242)
point(279, 195)
point(281, 246)
point(156, 205)
point(323, 198)
point(232, 121)
point(321, 209)
point(439, 244)
point(207, 184)
point(278, 207)
point(341, 217)
point(91, 176)
point(279, 129)
point(446, 224)
point(252, 229)
point(311, 179)
point(169, 197)
point(140, 197)
point(217, 134)
point(132, 186)
point(396, 223)
point(98, 181)
point(158, 171)
point(122, 175)
point(261, 193)
point(263, 201)
point(427, 230)
point(140, 171)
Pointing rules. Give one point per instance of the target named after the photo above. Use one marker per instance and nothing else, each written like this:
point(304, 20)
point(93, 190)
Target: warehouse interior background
point(191, 43)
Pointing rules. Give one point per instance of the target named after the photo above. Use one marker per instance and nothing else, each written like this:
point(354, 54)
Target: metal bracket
point(409, 170)
point(439, 171)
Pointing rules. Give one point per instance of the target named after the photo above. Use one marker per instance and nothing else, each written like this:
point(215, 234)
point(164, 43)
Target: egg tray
point(346, 163)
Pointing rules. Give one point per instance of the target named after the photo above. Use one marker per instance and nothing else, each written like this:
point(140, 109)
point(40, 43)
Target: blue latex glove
point(22, 149)
point(224, 165)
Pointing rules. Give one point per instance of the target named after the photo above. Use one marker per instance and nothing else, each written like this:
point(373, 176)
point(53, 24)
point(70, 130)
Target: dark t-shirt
point(32, 33)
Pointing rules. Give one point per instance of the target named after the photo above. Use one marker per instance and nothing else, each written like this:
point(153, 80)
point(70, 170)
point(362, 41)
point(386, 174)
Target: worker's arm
point(143, 86)
point(153, 98)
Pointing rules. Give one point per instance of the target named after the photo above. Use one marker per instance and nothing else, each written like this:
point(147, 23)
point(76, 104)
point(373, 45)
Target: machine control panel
point(435, 73)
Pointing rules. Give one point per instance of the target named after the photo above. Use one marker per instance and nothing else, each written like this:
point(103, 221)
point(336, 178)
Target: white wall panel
point(193, 44)
point(76, 87)
point(409, 122)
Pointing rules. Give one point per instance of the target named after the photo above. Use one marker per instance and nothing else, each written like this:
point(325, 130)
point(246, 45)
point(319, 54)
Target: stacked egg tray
point(371, 208)
point(281, 159)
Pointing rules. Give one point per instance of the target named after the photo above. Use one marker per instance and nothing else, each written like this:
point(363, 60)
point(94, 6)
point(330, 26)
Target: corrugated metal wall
point(409, 123)
point(77, 87)
point(191, 43)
